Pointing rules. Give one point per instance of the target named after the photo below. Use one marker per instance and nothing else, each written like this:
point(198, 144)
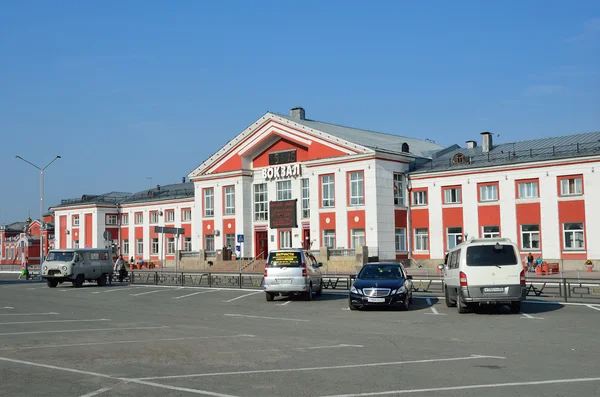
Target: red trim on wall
point(400, 218)
point(353, 224)
point(89, 227)
point(323, 225)
point(488, 215)
point(528, 214)
point(420, 220)
point(452, 217)
point(262, 159)
point(62, 221)
point(571, 211)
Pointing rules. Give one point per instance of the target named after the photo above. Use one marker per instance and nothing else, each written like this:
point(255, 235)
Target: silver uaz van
point(77, 266)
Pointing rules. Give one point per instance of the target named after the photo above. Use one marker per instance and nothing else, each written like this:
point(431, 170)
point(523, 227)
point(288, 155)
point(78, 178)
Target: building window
point(75, 220)
point(327, 191)
point(187, 215)
point(357, 238)
point(111, 220)
point(491, 232)
point(209, 243)
point(261, 202)
point(357, 192)
point(284, 190)
point(528, 190)
point(229, 200)
point(125, 219)
point(454, 236)
point(139, 246)
point(285, 239)
point(187, 244)
point(399, 189)
point(170, 216)
point(421, 240)
point(488, 193)
point(75, 243)
point(400, 239)
point(530, 237)
point(209, 209)
point(154, 217)
point(573, 236)
point(420, 197)
point(571, 186)
point(125, 249)
point(139, 218)
point(171, 245)
point(329, 238)
point(155, 246)
point(452, 195)
point(305, 198)
point(230, 240)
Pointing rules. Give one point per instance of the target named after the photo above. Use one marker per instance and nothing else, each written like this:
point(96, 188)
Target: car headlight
point(64, 268)
point(355, 290)
point(45, 267)
point(401, 290)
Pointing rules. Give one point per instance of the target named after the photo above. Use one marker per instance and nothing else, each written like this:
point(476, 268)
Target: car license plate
point(376, 300)
point(497, 289)
point(284, 280)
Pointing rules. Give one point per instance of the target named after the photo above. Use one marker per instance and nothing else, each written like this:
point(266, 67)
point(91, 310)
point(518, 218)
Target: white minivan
point(77, 265)
point(292, 272)
point(484, 271)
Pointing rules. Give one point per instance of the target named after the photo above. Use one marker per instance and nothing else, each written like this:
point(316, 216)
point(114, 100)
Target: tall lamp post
point(42, 169)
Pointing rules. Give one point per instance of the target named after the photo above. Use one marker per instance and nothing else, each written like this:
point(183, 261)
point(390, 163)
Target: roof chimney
point(183, 179)
point(471, 144)
point(158, 187)
point(297, 113)
point(486, 142)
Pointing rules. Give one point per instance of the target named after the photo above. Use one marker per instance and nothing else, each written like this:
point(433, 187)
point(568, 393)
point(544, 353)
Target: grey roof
point(375, 140)
point(15, 227)
point(566, 146)
point(111, 198)
point(166, 192)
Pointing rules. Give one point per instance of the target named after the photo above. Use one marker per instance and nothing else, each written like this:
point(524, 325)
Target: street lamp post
point(42, 169)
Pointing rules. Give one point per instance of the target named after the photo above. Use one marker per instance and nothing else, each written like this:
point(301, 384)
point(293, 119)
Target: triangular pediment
point(272, 132)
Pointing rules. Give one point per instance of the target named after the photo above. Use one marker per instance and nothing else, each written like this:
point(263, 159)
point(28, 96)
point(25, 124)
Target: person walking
point(25, 269)
point(118, 263)
point(530, 267)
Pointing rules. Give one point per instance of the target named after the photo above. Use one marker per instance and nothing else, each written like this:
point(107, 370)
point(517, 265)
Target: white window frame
point(329, 238)
point(357, 188)
point(357, 238)
point(187, 244)
point(420, 197)
point(261, 202)
point(187, 215)
point(125, 249)
point(528, 190)
point(229, 200)
point(400, 239)
point(327, 191)
point(285, 239)
point(490, 233)
point(488, 193)
point(154, 217)
point(75, 220)
point(284, 190)
point(154, 246)
point(139, 245)
point(112, 220)
point(452, 195)
point(209, 202)
point(399, 190)
point(209, 239)
point(170, 245)
point(305, 198)
point(125, 219)
point(531, 234)
point(454, 236)
point(572, 230)
point(421, 240)
point(139, 218)
point(170, 216)
point(571, 186)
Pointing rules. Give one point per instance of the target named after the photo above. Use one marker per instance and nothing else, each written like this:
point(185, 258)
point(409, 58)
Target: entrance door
point(261, 249)
point(306, 239)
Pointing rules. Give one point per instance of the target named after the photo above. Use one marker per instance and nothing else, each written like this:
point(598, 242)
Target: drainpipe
point(408, 220)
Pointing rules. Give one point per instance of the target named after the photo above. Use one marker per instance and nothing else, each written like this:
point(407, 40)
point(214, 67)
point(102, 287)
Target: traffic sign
point(240, 238)
point(169, 230)
point(107, 235)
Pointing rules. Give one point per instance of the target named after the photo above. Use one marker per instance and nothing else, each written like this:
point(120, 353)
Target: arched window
point(458, 158)
point(405, 148)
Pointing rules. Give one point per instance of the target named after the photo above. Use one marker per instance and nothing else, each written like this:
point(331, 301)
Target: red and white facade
point(22, 239)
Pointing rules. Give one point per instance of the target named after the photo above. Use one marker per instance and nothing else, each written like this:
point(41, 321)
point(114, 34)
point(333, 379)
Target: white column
point(436, 227)
point(470, 209)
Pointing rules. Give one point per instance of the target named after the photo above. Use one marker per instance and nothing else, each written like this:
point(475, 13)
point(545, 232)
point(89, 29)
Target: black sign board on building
point(282, 157)
point(283, 214)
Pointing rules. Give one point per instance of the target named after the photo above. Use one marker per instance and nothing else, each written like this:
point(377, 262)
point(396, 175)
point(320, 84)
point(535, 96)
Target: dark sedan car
point(381, 285)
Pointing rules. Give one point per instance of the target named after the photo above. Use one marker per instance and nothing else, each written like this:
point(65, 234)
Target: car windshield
point(381, 272)
point(286, 259)
point(491, 255)
point(60, 256)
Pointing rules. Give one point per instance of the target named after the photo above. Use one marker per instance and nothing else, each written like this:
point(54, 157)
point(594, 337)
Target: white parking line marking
point(483, 386)
point(593, 307)
point(243, 296)
point(152, 292)
point(293, 348)
point(284, 303)
point(8, 307)
point(77, 371)
point(28, 314)
point(62, 331)
point(95, 393)
point(127, 341)
point(195, 293)
point(113, 289)
point(525, 315)
point(55, 321)
point(433, 309)
point(305, 369)
point(266, 318)
point(194, 391)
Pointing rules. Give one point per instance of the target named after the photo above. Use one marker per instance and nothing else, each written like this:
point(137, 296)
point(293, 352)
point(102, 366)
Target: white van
point(77, 265)
point(292, 272)
point(484, 271)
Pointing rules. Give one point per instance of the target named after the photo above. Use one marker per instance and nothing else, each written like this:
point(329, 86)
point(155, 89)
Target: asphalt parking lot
point(150, 341)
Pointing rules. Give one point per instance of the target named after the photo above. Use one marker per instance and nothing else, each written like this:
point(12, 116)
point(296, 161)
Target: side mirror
point(353, 277)
point(441, 266)
point(409, 277)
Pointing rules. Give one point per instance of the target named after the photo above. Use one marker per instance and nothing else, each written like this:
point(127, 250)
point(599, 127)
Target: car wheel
point(515, 307)
point(101, 280)
point(410, 300)
point(351, 306)
point(461, 306)
point(78, 283)
point(449, 302)
point(309, 293)
point(320, 290)
point(270, 296)
point(52, 283)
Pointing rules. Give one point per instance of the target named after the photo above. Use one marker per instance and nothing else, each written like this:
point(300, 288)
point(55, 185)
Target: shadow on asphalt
point(535, 308)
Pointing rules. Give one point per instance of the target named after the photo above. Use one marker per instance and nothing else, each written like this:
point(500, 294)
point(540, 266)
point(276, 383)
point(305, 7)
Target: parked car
point(292, 272)
point(484, 271)
point(77, 265)
point(381, 285)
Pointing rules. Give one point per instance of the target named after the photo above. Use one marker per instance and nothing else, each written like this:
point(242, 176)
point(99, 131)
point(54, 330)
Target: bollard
point(565, 289)
point(241, 281)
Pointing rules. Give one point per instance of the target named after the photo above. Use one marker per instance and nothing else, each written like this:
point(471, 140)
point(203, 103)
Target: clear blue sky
point(131, 90)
